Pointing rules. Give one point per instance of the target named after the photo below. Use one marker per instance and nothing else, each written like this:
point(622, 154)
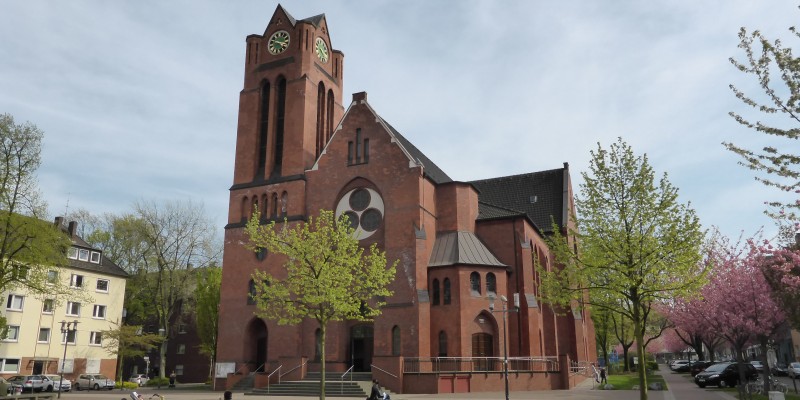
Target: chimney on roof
point(72, 228)
point(359, 96)
point(566, 165)
point(59, 222)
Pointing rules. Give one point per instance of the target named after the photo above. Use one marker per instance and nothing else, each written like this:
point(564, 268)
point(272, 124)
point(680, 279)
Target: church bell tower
point(288, 108)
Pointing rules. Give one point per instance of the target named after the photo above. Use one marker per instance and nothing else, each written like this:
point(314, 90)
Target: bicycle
point(154, 396)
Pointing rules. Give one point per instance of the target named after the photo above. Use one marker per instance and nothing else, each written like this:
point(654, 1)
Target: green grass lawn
point(626, 381)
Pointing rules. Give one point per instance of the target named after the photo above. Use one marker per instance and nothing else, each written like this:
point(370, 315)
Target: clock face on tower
point(321, 49)
point(278, 42)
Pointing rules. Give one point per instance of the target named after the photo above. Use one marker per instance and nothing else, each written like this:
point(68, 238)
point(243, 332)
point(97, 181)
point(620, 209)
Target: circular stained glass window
point(371, 220)
point(364, 207)
point(359, 199)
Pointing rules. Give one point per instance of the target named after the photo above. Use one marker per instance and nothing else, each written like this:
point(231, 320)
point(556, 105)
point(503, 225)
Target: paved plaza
point(681, 388)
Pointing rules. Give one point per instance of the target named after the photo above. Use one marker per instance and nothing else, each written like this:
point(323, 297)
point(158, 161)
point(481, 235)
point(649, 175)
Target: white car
point(96, 382)
point(677, 363)
point(793, 370)
point(54, 385)
point(139, 379)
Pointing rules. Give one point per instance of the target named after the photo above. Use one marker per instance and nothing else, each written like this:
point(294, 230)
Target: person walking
point(172, 377)
point(603, 380)
point(375, 393)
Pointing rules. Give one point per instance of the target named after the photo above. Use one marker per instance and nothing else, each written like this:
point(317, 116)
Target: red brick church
point(301, 147)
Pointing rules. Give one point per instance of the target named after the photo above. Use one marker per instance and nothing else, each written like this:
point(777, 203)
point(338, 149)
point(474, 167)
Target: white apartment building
point(34, 343)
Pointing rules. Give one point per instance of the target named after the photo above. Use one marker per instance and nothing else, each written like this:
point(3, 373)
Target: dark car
point(700, 366)
point(684, 367)
point(780, 369)
point(724, 374)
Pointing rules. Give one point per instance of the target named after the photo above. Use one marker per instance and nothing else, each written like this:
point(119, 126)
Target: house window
point(435, 292)
point(102, 285)
point(475, 283)
point(73, 308)
point(76, 281)
point(12, 333)
point(48, 306)
point(44, 335)
point(15, 302)
point(83, 255)
point(442, 344)
point(95, 257)
point(20, 272)
point(181, 328)
point(52, 277)
point(491, 284)
point(96, 338)
point(181, 349)
point(99, 311)
point(446, 290)
point(396, 341)
point(179, 369)
point(9, 364)
point(69, 337)
point(72, 253)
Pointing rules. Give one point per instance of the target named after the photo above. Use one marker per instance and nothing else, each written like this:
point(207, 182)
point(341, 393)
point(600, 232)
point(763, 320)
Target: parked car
point(9, 384)
point(724, 374)
point(96, 382)
point(54, 385)
point(29, 383)
point(684, 367)
point(779, 369)
point(677, 363)
point(794, 370)
point(758, 365)
point(699, 367)
point(139, 379)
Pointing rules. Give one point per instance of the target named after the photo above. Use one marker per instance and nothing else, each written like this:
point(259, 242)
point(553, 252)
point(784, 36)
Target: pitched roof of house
point(106, 265)
point(539, 195)
point(461, 248)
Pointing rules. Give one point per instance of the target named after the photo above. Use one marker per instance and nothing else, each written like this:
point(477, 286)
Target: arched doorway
point(361, 344)
point(256, 344)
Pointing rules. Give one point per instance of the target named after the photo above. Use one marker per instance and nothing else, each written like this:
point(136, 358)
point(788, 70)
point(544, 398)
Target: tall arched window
point(263, 209)
point(284, 204)
point(491, 284)
point(280, 115)
point(263, 130)
point(245, 207)
point(396, 341)
point(251, 292)
point(435, 289)
point(320, 117)
point(329, 123)
point(475, 283)
point(442, 344)
point(446, 290)
point(274, 205)
point(254, 208)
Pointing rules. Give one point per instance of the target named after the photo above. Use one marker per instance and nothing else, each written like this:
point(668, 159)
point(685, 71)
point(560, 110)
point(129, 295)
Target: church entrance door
point(361, 344)
point(257, 344)
point(482, 350)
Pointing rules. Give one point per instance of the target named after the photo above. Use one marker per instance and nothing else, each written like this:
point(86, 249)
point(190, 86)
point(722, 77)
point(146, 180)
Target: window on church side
point(435, 289)
point(475, 283)
point(251, 292)
point(329, 122)
point(245, 202)
point(442, 344)
point(274, 205)
point(396, 341)
point(284, 204)
point(446, 290)
point(320, 118)
point(358, 151)
point(263, 129)
point(491, 284)
point(279, 126)
point(350, 153)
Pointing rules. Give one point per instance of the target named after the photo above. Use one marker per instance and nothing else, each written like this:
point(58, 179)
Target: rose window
point(364, 209)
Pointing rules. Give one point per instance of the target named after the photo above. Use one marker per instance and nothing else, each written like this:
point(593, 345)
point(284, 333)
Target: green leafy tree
point(128, 341)
point(776, 109)
point(328, 276)
point(207, 312)
point(31, 249)
point(634, 244)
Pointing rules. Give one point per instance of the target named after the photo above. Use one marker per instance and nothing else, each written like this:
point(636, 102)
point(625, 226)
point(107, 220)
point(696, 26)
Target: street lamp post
point(503, 311)
point(67, 329)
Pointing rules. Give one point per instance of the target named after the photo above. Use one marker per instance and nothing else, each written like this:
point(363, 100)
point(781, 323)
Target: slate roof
point(106, 266)
point(539, 195)
point(429, 169)
point(461, 248)
point(313, 20)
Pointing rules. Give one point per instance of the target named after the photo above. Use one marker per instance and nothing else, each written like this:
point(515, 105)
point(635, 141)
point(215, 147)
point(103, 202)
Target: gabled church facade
point(302, 147)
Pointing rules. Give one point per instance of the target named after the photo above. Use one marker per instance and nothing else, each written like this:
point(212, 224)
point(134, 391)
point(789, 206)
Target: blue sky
point(139, 99)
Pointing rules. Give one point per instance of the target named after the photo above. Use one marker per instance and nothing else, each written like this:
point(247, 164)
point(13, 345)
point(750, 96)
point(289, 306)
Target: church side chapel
point(302, 147)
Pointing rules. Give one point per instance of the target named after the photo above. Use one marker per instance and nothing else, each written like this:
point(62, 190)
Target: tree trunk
point(322, 361)
point(638, 332)
point(162, 361)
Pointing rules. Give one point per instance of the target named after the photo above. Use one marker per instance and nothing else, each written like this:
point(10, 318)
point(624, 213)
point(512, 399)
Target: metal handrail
point(291, 370)
point(259, 367)
point(272, 373)
point(383, 370)
point(341, 386)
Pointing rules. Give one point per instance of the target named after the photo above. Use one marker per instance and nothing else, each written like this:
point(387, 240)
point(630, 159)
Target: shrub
point(157, 381)
point(126, 385)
